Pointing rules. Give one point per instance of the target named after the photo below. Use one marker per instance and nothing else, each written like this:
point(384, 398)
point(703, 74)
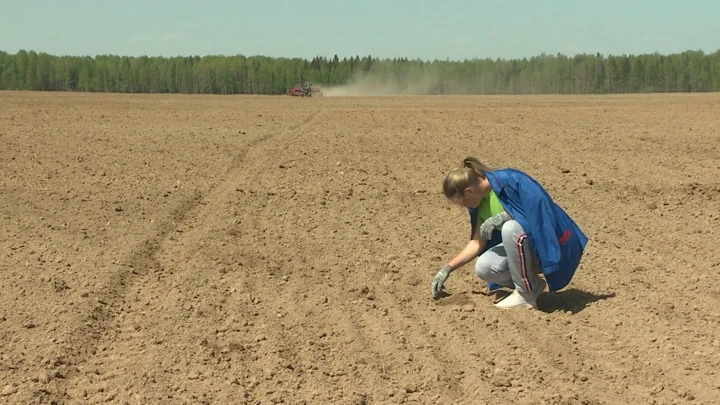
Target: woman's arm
point(471, 250)
point(468, 253)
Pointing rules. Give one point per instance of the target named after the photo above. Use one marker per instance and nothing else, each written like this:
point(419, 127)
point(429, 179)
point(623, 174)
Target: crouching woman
point(521, 239)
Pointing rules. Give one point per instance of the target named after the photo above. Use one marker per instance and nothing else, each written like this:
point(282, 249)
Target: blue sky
point(425, 29)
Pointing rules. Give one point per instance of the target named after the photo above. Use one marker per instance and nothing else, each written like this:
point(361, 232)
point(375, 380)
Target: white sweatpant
point(512, 263)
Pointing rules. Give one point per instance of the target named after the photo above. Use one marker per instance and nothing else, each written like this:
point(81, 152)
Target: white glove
point(439, 279)
point(494, 222)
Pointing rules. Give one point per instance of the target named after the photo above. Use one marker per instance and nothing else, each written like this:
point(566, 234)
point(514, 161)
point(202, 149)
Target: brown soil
point(202, 249)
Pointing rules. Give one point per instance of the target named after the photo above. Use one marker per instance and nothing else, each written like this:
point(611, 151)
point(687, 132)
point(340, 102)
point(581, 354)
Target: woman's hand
point(439, 279)
point(492, 223)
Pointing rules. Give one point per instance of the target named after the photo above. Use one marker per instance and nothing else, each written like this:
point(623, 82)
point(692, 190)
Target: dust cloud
point(373, 84)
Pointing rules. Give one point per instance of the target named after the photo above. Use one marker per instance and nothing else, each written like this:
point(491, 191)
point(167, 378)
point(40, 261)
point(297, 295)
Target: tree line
point(690, 71)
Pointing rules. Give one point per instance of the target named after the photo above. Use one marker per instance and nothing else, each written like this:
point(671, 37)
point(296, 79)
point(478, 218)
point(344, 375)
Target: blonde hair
point(459, 179)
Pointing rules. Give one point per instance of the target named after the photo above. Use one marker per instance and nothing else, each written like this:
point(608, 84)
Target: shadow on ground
point(572, 300)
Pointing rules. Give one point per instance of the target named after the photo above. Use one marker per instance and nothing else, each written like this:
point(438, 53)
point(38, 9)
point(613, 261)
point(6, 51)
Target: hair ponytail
point(459, 179)
point(477, 167)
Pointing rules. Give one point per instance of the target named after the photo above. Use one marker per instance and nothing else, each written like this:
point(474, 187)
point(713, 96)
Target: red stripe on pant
point(523, 269)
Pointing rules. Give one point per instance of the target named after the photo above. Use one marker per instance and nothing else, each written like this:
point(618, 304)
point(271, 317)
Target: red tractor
point(304, 90)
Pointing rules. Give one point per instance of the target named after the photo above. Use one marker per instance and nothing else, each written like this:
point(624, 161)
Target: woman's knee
point(486, 269)
point(511, 231)
point(483, 268)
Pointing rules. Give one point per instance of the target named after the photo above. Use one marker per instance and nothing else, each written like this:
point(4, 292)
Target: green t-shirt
point(489, 206)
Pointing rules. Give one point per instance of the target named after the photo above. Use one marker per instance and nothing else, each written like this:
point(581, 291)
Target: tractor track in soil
point(143, 277)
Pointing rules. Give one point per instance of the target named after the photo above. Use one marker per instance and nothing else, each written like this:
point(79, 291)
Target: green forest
point(690, 71)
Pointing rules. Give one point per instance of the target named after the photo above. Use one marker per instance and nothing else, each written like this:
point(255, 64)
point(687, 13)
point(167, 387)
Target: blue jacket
point(558, 243)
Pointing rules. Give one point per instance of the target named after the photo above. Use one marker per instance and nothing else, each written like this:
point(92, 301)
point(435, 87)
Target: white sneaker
point(518, 300)
point(523, 300)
